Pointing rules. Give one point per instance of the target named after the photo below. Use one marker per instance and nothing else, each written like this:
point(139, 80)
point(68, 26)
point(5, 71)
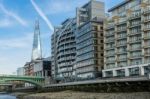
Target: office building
point(36, 50)
point(89, 40)
point(20, 71)
point(127, 39)
point(64, 50)
point(42, 68)
point(38, 66)
point(89, 11)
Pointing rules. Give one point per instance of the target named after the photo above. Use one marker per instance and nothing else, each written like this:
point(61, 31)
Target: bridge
point(7, 79)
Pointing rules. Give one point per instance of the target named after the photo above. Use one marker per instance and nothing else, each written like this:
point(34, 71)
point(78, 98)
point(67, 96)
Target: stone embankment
point(87, 95)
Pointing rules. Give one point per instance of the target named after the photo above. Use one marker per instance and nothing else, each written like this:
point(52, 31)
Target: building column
point(141, 71)
point(126, 72)
point(103, 73)
point(114, 73)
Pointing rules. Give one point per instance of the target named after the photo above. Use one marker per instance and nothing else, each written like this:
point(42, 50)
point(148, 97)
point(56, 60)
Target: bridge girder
point(37, 81)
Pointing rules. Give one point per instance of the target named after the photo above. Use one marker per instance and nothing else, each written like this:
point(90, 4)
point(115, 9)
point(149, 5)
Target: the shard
point(36, 51)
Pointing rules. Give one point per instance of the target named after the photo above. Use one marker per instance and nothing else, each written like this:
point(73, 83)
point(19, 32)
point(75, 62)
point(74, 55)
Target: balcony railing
point(134, 33)
point(109, 54)
point(110, 40)
point(109, 26)
point(146, 28)
point(135, 16)
point(135, 57)
point(109, 34)
point(121, 37)
point(121, 21)
point(122, 59)
point(135, 41)
point(146, 37)
point(146, 11)
point(121, 52)
point(146, 20)
point(120, 45)
point(135, 49)
point(110, 61)
point(147, 54)
point(135, 25)
point(122, 30)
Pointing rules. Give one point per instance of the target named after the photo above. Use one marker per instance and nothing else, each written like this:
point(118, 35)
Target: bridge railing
point(3, 75)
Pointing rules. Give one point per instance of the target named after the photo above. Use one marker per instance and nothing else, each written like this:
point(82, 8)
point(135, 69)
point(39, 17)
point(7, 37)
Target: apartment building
point(29, 69)
point(127, 39)
point(64, 50)
point(89, 40)
point(54, 38)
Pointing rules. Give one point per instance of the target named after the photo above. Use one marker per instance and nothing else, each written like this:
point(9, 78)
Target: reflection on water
point(7, 97)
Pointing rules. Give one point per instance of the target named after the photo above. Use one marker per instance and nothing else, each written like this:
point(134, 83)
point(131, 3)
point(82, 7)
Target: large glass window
point(134, 71)
point(121, 73)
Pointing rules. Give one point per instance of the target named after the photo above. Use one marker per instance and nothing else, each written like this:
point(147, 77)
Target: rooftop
point(119, 5)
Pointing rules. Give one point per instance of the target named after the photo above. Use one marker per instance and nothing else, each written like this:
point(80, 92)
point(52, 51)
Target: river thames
point(7, 97)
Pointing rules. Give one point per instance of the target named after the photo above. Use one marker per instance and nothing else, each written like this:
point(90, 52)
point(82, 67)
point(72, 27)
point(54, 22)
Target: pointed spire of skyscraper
point(36, 50)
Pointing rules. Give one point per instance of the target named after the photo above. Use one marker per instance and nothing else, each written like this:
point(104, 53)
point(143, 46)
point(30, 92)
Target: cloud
point(16, 43)
point(62, 6)
point(42, 15)
point(6, 22)
point(58, 7)
point(13, 15)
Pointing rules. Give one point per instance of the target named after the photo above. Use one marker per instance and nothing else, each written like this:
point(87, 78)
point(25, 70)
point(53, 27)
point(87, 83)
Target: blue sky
point(17, 19)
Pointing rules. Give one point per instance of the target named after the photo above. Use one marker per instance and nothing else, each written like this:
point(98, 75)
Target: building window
point(121, 73)
point(146, 70)
point(109, 74)
point(134, 71)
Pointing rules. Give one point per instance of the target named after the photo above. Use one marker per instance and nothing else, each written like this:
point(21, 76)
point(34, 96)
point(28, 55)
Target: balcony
point(135, 16)
point(110, 61)
point(110, 26)
point(135, 57)
point(109, 54)
point(121, 59)
point(146, 11)
point(121, 30)
point(121, 45)
point(146, 46)
point(135, 49)
point(109, 34)
point(135, 25)
point(110, 40)
point(110, 48)
point(147, 28)
point(146, 37)
point(121, 37)
point(134, 41)
point(147, 54)
point(122, 21)
point(121, 52)
point(146, 20)
point(134, 33)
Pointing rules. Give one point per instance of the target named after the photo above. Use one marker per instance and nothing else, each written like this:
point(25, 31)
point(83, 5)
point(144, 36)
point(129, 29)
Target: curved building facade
point(65, 50)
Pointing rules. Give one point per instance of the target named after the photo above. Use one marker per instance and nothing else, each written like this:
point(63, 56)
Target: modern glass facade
point(89, 39)
point(64, 50)
point(89, 61)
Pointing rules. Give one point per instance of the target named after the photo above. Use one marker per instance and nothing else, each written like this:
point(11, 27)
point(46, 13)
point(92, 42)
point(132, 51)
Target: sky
point(17, 19)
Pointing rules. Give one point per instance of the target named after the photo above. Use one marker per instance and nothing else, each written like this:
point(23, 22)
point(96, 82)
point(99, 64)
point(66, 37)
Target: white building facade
point(127, 39)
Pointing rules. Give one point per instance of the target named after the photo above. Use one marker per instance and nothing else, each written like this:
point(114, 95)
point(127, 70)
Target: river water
point(3, 96)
